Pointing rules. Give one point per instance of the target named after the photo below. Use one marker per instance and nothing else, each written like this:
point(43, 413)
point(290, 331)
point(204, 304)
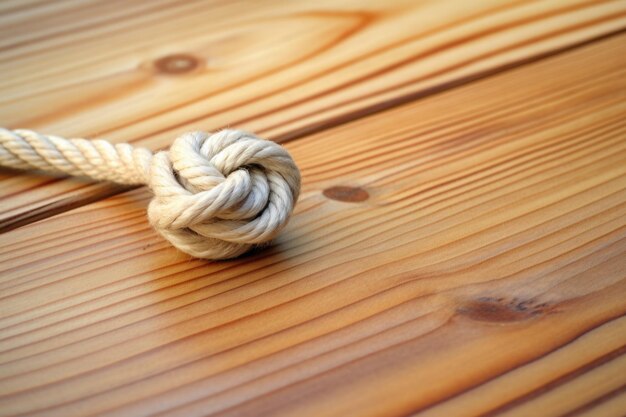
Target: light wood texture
point(459, 255)
point(145, 71)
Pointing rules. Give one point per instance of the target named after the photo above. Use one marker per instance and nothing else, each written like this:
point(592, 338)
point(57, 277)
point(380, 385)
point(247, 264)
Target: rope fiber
point(215, 195)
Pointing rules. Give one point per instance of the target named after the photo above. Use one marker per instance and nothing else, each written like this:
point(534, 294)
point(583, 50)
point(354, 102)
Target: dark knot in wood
point(176, 64)
point(348, 194)
point(501, 310)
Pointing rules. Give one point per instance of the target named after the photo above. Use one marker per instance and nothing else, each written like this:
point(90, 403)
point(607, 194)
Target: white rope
point(215, 195)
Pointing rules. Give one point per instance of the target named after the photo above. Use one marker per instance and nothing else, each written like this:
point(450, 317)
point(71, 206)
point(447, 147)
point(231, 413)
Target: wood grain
point(459, 255)
point(145, 71)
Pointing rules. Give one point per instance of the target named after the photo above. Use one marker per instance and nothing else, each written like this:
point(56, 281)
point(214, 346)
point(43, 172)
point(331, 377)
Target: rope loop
point(215, 195)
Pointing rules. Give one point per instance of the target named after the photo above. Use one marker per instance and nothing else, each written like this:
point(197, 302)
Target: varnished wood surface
point(462, 254)
point(145, 71)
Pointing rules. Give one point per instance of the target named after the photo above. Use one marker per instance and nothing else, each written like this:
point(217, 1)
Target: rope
point(215, 195)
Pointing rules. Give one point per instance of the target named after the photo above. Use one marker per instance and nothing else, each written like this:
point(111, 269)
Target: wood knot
point(348, 194)
point(176, 64)
point(501, 310)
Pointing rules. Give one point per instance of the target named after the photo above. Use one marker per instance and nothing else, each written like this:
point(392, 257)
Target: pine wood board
point(462, 254)
point(146, 71)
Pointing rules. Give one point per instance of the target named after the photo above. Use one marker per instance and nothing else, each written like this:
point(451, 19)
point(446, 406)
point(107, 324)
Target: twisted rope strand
point(215, 195)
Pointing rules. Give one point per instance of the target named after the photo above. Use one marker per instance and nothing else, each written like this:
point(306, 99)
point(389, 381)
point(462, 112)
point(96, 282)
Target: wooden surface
point(459, 247)
point(145, 71)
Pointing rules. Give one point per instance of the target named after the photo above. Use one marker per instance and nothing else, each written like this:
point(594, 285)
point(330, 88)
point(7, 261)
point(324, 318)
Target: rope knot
point(217, 195)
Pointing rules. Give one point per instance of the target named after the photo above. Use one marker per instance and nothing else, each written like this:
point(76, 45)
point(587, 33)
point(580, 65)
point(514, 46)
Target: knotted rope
point(215, 195)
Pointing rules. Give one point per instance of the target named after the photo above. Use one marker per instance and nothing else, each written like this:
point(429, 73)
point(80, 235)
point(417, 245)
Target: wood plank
point(473, 262)
point(146, 71)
